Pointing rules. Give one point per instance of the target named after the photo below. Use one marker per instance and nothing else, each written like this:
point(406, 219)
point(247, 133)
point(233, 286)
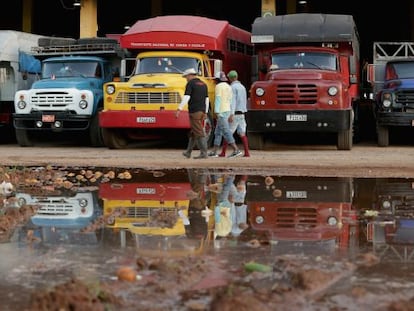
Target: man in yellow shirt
point(222, 109)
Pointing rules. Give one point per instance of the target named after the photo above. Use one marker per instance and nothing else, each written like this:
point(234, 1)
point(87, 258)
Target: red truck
point(310, 212)
point(308, 77)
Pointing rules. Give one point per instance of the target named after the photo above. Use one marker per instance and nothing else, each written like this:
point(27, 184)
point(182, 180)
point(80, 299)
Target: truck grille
point(148, 98)
point(288, 217)
point(145, 212)
point(52, 100)
point(405, 97)
point(293, 94)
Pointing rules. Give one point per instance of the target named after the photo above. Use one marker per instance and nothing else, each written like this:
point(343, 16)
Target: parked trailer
point(18, 71)
point(144, 106)
point(314, 82)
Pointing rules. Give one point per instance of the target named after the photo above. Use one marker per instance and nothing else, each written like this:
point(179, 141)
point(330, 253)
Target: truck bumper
point(144, 119)
point(56, 121)
point(395, 118)
point(298, 120)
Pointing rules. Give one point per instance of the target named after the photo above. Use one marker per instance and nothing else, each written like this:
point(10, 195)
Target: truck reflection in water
point(306, 214)
point(154, 208)
point(61, 217)
point(390, 224)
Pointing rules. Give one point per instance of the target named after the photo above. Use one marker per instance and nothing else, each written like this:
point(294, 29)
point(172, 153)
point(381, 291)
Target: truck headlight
point(386, 103)
point(386, 100)
point(332, 221)
point(21, 104)
point(259, 219)
point(110, 89)
point(386, 204)
point(333, 90)
point(83, 202)
point(83, 104)
point(260, 91)
point(21, 202)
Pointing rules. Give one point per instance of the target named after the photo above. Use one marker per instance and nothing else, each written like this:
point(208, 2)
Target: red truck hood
point(304, 75)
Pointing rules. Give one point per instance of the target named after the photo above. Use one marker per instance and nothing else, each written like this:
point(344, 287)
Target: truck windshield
point(71, 69)
point(399, 70)
point(305, 60)
point(167, 64)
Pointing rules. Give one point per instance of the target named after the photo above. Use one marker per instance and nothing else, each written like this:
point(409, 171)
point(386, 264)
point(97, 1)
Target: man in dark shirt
point(196, 96)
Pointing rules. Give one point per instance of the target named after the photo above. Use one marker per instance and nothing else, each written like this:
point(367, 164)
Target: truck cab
point(392, 79)
point(69, 94)
point(310, 212)
point(143, 107)
point(308, 77)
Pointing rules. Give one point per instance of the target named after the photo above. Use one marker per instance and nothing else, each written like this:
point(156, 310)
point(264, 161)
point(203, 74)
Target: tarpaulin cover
point(28, 63)
point(307, 27)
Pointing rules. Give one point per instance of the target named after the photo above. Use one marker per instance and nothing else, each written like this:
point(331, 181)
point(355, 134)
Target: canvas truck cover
point(181, 32)
point(12, 42)
point(305, 27)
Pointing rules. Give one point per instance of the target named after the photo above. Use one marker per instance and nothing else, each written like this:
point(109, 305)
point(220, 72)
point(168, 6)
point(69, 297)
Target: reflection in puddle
point(62, 222)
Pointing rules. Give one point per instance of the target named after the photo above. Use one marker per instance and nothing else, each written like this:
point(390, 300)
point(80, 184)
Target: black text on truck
point(308, 77)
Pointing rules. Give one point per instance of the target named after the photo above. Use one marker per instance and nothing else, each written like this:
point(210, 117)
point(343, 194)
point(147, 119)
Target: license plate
point(146, 190)
point(296, 194)
point(412, 122)
point(146, 120)
point(296, 117)
point(48, 118)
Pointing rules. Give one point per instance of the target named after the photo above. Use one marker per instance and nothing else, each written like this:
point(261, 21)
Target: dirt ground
point(206, 281)
point(365, 160)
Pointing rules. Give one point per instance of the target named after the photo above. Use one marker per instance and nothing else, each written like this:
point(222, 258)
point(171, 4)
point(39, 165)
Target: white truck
point(69, 94)
point(18, 70)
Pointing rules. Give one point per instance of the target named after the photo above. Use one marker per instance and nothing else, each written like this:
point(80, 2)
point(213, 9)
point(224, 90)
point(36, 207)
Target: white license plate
point(146, 120)
point(296, 194)
point(146, 190)
point(48, 118)
point(297, 117)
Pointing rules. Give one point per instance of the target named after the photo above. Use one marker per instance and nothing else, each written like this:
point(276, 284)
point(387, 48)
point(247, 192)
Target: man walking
point(196, 96)
point(237, 119)
point(222, 109)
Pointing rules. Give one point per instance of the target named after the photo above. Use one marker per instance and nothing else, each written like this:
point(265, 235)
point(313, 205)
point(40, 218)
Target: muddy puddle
point(199, 239)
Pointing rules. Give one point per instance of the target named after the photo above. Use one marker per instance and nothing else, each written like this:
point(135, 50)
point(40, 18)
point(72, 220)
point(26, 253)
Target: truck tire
point(345, 140)
point(45, 41)
point(95, 132)
point(114, 139)
point(23, 138)
point(383, 136)
point(256, 141)
point(96, 40)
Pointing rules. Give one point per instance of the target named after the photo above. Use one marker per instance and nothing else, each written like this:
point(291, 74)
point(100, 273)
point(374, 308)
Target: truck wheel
point(383, 136)
point(97, 40)
point(345, 140)
point(95, 132)
point(114, 139)
point(23, 138)
point(256, 141)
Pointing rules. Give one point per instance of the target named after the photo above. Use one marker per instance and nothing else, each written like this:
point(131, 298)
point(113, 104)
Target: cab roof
point(183, 32)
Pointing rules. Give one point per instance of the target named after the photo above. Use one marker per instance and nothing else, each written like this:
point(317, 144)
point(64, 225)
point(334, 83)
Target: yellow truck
point(142, 105)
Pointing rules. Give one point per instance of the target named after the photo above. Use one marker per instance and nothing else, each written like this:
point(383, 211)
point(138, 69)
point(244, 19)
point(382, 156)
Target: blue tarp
point(28, 63)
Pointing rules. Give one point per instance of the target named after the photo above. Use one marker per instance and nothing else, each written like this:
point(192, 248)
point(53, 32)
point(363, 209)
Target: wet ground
point(79, 238)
